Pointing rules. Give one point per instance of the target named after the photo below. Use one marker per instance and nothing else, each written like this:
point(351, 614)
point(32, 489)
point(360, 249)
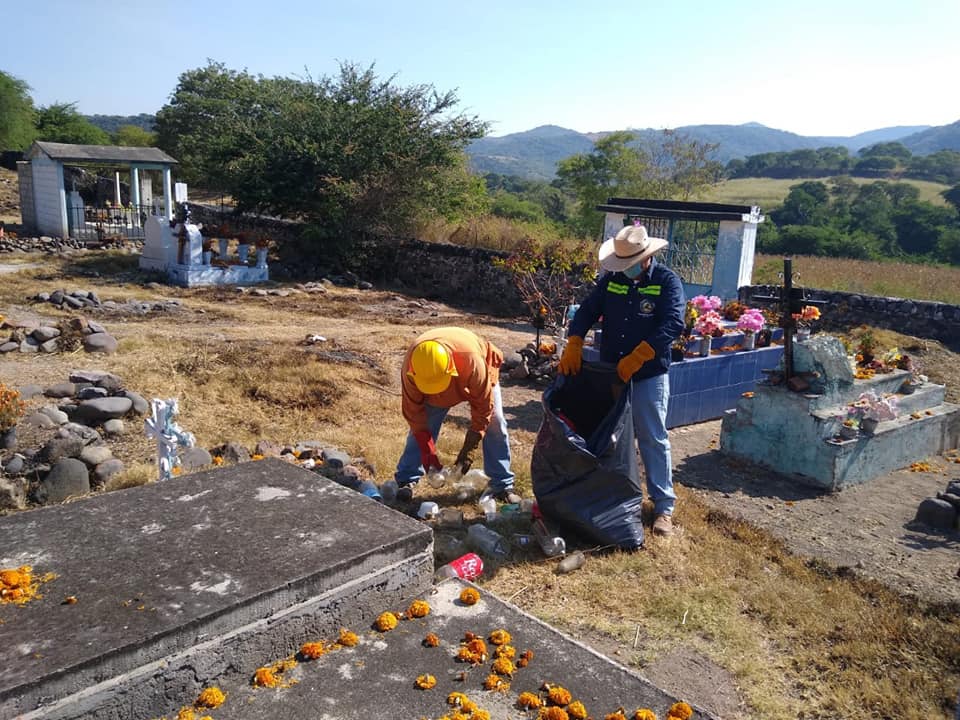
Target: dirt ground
point(866, 530)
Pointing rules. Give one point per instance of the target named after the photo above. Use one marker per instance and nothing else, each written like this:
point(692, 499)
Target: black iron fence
point(110, 223)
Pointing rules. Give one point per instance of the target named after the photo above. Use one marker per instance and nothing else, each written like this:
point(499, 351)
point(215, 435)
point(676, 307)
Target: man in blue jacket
point(641, 303)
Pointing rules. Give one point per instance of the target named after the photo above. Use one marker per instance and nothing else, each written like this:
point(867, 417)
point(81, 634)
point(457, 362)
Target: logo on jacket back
point(646, 307)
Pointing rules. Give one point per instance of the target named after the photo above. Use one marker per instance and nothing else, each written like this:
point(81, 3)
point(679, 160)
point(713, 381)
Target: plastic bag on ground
point(584, 465)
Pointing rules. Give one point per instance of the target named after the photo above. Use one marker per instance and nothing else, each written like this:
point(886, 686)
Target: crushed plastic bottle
point(369, 489)
point(467, 567)
point(552, 545)
point(573, 561)
point(488, 541)
point(473, 483)
point(438, 478)
point(489, 507)
point(388, 490)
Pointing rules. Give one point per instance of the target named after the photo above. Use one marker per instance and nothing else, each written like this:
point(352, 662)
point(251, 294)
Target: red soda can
point(467, 567)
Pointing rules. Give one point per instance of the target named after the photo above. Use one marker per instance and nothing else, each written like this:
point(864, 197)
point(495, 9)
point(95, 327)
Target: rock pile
point(88, 300)
point(943, 511)
point(92, 408)
point(50, 337)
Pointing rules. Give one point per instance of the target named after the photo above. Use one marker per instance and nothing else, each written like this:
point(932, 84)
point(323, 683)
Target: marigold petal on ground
point(211, 697)
point(386, 621)
point(679, 711)
point(418, 609)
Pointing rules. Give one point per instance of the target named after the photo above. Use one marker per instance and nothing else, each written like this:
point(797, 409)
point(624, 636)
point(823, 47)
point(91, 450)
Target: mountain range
point(534, 154)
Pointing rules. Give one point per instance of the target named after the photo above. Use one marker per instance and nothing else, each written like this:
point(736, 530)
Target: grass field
point(869, 277)
point(769, 193)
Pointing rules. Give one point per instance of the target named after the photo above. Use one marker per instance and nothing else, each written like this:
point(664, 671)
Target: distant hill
point(944, 137)
point(111, 123)
point(534, 154)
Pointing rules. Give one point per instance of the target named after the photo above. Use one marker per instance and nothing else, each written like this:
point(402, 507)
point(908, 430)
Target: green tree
point(671, 167)
point(348, 155)
point(895, 150)
point(61, 122)
point(134, 136)
point(952, 196)
point(17, 114)
point(807, 203)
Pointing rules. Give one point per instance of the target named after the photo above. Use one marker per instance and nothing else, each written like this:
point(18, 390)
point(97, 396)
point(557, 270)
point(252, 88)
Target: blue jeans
point(649, 399)
point(495, 446)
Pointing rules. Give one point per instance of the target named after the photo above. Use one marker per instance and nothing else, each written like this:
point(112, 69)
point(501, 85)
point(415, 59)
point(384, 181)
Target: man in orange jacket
point(442, 368)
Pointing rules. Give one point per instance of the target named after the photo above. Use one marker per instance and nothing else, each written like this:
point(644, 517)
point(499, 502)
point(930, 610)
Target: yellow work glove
point(572, 356)
point(629, 364)
point(468, 452)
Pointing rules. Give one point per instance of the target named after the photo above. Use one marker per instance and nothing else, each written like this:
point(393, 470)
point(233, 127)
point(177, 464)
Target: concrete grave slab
point(376, 678)
point(189, 580)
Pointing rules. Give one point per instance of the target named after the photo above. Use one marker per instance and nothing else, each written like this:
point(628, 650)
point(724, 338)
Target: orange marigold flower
point(679, 711)
point(577, 710)
point(500, 637)
point(176, 470)
point(479, 714)
point(264, 677)
point(10, 578)
point(559, 695)
point(211, 697)
point(478, 646)
point(418, 609)
point(457, 699)
point(528, 701)
point(386, 621)
point(186, 713)
point(644, 714)
point(431, 640)
point(507, 651)
point(469, 596)
point(495, 682)
point(425, 682)
point(465, 654)
point(312, 650)
point(505, 666)
point(553, 713)
point(618, 715)
point(217, 460)
point(256, 456)
point(347, 638)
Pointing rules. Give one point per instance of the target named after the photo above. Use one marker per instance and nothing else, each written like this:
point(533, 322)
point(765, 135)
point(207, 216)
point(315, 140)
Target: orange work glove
point(572, 356)
point(629, 364)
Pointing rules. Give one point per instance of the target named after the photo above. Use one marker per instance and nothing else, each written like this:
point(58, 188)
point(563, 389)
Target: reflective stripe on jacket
point(649, 308)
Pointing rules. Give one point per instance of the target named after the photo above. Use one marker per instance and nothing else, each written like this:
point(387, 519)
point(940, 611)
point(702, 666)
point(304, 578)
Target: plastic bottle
point(489, 507)
point(388, 490)
point(572, 562)
point(467, 567)
point(488, 541)
point(438, 478)
point(552, 545)
point(470, 485)
point(370, 490)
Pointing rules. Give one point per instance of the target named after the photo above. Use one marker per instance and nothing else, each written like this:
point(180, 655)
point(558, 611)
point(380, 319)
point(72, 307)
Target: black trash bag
point(584, 464)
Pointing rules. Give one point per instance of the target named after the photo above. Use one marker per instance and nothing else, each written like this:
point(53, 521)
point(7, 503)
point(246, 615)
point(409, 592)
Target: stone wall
point(921, 318)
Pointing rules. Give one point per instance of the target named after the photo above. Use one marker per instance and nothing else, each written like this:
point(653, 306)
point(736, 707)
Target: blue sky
point(815, 68)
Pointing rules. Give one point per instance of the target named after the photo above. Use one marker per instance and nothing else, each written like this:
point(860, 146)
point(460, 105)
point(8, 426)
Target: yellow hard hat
point(431, 367)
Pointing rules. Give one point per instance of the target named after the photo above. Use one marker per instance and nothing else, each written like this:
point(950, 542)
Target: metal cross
point(168, 434)
point(790, 303)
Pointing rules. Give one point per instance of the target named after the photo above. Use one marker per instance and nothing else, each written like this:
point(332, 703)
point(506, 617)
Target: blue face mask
point(634, 271)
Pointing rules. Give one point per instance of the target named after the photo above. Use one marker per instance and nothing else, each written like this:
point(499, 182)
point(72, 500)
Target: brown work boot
point(663, 525)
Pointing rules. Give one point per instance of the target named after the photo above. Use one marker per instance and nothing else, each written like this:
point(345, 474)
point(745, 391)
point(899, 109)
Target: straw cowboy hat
point(631, 246)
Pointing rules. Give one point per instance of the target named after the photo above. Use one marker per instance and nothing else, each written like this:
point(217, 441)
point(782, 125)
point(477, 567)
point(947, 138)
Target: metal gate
point(693, 246)
point(103, 224)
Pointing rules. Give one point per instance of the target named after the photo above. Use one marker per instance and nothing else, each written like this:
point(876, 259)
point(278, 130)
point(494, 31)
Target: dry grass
point(800, 639)
point(769, 193)
point(889, 279)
